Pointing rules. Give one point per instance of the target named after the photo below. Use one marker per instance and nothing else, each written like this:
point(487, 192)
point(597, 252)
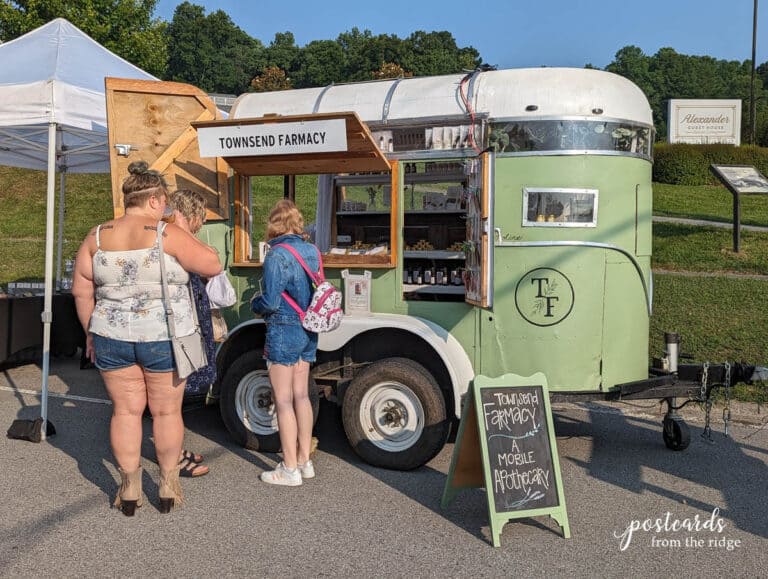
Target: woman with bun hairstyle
point(118, 294)
point(289, 348)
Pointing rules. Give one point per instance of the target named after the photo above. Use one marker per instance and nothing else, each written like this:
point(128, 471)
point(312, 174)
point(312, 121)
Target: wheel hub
point(392, 416)
point(254, 404)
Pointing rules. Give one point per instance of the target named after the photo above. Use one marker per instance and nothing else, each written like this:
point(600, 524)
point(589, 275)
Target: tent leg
point(47, 315)
point(60, 231)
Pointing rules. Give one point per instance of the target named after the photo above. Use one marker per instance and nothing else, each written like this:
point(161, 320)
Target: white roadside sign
point(273, 138)
point(702, 121)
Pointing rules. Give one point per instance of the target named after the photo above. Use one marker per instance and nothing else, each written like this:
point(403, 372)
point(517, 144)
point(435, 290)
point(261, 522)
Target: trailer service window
point(559, 207)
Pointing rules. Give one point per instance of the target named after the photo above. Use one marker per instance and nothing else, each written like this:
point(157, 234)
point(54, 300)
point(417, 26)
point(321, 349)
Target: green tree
point(126, 27)
point(320, 63)
point(434, 53)
point(211, 52)
point(360, 54)
point(282, 52)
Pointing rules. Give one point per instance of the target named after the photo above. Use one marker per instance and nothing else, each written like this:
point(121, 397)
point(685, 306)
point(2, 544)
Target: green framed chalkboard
point(506, 444)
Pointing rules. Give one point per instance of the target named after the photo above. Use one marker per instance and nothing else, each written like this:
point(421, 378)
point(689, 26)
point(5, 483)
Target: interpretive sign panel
point(506, 443)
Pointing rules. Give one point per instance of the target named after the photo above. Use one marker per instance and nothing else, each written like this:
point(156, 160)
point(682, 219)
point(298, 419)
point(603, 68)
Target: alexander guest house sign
point(704, 121)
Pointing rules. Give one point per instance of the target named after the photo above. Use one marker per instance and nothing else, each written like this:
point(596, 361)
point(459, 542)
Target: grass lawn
point(708, 249)
point(708, 202)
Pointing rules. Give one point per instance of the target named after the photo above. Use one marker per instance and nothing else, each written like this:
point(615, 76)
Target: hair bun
point(138, 168)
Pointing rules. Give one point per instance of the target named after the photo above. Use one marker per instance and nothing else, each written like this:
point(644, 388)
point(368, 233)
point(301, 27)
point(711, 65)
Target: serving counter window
point(363, 220)
point(351, 218)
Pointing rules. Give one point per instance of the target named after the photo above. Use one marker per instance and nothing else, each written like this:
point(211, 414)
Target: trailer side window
point(520, 137)
point(559, 207)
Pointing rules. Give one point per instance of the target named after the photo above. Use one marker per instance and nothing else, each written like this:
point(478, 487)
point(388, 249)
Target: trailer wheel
point(394, 415)
point(677, 435)
point(247, 407)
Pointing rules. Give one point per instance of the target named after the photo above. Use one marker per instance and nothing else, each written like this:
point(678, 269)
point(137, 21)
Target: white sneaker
point(282, 476)
point(307, 469)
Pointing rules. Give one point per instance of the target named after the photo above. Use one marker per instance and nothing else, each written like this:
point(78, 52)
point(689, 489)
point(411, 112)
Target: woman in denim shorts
point(289, 348)
point(119, 302)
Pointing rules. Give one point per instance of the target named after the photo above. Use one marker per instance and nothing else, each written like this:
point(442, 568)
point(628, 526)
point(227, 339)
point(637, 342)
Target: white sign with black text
point(273, 138)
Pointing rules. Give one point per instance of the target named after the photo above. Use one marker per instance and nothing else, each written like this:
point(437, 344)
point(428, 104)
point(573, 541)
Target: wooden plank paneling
point(154, 117)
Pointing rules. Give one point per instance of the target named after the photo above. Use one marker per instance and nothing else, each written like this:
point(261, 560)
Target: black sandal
point(192, 469)
point(191, 456)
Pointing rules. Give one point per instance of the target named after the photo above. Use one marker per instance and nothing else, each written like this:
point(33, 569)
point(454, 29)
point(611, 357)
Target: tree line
point(211, 52)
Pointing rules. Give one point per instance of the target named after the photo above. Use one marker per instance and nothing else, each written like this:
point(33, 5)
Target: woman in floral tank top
point(118, 295)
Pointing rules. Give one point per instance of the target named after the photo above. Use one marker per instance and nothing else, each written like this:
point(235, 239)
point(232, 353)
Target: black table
point(21, 329)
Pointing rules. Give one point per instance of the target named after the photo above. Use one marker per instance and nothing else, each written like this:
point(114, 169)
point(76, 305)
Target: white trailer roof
point(499, 94)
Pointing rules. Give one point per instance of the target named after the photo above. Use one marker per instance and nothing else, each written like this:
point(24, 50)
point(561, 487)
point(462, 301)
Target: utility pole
point(752, 110)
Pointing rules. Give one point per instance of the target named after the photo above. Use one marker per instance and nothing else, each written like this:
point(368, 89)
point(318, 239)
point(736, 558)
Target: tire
point(394, 415)
point(246, 404)
point(676, 434)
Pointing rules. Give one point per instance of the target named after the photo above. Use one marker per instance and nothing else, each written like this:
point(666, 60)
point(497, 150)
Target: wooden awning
point(361, 153)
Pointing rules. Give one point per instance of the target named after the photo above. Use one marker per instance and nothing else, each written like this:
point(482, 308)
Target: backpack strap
point(317, 278)
point(294, 305)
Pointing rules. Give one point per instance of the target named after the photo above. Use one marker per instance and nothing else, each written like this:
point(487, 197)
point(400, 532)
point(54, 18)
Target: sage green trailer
point(490, 223)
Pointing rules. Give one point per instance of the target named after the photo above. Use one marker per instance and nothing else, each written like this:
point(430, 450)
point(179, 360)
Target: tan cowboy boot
point(170, 490)
point(130, 495)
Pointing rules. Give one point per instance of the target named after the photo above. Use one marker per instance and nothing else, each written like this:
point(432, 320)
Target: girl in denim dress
point(289, 348)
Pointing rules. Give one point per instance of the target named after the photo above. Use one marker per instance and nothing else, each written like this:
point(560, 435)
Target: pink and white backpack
point(324, 312)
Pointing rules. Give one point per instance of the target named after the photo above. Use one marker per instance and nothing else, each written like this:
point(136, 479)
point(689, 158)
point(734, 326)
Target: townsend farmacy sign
point(704, 121)
point(273, 138)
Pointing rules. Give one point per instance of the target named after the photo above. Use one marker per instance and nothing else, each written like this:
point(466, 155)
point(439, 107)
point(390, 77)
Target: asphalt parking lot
point(356, 520)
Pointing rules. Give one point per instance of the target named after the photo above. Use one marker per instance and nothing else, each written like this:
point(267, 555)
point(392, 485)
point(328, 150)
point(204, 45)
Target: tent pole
point(60, 232)
point(47, 315)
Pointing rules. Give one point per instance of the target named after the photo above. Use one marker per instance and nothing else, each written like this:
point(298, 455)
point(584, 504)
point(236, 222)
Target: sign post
point(506, 443)
point(740, 180)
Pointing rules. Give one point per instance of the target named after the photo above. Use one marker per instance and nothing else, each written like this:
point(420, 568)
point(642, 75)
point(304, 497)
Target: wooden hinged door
point(478, 272)
point(150, 121)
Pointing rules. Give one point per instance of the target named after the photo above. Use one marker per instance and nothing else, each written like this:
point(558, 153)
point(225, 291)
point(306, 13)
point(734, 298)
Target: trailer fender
point(444, 344)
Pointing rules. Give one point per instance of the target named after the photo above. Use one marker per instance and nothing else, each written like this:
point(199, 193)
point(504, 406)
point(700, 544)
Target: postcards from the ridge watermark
point(671, 532)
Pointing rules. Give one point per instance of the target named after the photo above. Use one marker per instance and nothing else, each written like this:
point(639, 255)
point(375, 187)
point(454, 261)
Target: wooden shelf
point(363, 213)
point(452, 177)
point(433, 289)
point(435, 211)
point(433, 254)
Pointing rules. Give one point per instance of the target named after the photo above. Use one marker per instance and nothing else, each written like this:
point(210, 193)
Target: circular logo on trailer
point(544, 296)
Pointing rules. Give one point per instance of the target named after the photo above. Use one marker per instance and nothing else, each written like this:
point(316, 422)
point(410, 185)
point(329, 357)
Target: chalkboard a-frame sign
point(506, 443)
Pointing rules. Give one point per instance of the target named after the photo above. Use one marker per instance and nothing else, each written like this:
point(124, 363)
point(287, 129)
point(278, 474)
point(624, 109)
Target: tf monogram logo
point(544, 296)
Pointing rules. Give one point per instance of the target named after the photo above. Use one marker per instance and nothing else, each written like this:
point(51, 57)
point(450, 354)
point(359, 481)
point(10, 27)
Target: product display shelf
point(433, 289)
point(432, 254)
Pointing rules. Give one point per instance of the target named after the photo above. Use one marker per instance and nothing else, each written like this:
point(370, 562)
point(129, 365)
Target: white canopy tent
point(53, 118)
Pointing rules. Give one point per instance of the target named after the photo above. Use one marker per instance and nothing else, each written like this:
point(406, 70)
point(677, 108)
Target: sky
point(514, 34)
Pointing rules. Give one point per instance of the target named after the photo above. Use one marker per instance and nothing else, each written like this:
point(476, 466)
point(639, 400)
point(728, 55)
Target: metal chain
point(707, 434)
point(727, 409)
point(704, 378)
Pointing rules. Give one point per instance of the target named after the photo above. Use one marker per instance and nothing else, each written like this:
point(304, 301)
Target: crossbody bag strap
point(164, 283)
